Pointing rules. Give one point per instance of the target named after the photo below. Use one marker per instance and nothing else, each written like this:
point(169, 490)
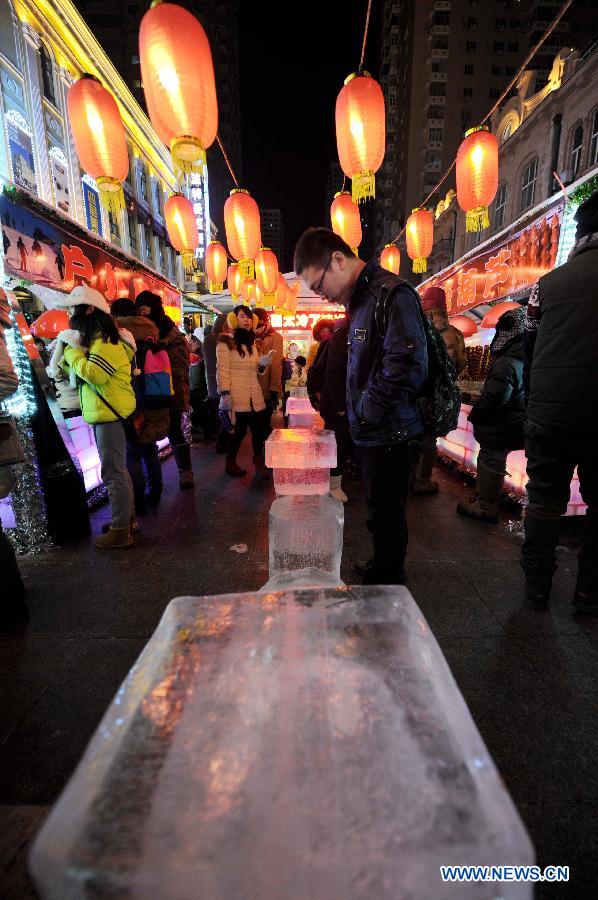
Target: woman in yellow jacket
point(99, 356)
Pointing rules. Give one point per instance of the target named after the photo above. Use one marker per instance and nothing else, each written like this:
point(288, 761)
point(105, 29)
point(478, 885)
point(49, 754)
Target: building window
point(149, 252)
point(472, 22)
point(528, 184)
point(470, 46)
point(468, 69)
point(497, 70)
point(576, 149)
point(494, 93)
point(142, 181)
point(514, 47)
point(47, 74)
point(500, 24)
point(441, 18)
point(438, 89)
point(436, 112)
point(594, 141)
point(467, 93)
point(440, 42)
point(500, 206)
point(133, 241)
point(498, 47)
point(510, 70)
point(114, 229)
point(435, 135)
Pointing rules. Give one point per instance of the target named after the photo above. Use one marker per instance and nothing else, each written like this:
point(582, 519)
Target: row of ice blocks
point(301, 460)
point(298, 392)
point(284, 746)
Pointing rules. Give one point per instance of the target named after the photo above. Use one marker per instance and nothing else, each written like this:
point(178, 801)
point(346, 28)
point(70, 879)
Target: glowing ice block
point(299, 405)
point(304, 419)
point(306, 533)
point(298, 392)
point(292, 744)
point(291, 448)
point(302, 481)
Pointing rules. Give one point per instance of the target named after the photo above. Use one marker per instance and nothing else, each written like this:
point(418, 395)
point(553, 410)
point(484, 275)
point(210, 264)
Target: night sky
point(291, 71)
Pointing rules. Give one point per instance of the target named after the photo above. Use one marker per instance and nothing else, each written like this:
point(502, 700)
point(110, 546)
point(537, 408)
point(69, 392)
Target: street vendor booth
point(502, 270)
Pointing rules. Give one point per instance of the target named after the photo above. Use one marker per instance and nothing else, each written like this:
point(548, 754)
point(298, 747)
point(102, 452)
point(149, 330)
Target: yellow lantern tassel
point(477, 219)
point(216, 287)
point(188, 260)
point(355, 251)
point(363, 186)
point(188, 155)
point(420, 264)
point(246, 268)
point(111, 194)
point(280, 310)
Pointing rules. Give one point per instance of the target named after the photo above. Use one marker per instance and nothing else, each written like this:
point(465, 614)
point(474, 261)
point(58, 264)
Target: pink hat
point(434, 298)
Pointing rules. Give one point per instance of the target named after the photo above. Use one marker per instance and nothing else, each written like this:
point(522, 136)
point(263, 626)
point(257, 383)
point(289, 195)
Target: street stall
point(504, 269)
point(46, 255)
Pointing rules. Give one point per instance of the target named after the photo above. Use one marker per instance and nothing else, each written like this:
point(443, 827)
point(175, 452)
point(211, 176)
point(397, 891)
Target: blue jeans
point(140, 456)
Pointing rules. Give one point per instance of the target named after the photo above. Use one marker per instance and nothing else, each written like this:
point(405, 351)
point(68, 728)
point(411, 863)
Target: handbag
point(133, 424)
point(11, 449)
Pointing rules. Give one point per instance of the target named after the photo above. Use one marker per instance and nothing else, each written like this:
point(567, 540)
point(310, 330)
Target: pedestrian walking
point(143, 461)
point(435, 308)
point(238, 364)
point(13, 608)
point(299, 374)
point(386, 370)
point(561, 427)
point(198, 390)
point(210, 343)
point(94, 352)
point(177, 347)
point(497, 416)
point(271, 378)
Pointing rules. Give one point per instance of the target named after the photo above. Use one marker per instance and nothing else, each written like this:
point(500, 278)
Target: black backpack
point(440, 400)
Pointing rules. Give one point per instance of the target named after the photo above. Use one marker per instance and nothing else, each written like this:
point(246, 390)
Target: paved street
point(529, 679)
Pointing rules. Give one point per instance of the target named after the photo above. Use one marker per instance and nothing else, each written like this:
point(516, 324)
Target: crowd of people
point(137, 375)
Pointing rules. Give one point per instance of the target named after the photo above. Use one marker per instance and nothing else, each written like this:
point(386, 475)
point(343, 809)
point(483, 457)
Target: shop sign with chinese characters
point(304, 321)
point(510, 267)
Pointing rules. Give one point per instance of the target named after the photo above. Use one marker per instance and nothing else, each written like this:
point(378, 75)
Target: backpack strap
point(383, 301)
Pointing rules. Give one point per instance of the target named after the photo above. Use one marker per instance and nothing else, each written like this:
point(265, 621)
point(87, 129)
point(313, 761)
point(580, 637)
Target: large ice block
point(302, 481)
point(280, 746)
point(298, 392)
point(300, 578)
point(291, 448)
point(304, 419)
point(299, 405)
point(306, 532)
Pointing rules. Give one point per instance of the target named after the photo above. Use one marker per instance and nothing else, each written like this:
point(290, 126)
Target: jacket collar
point(363, 282)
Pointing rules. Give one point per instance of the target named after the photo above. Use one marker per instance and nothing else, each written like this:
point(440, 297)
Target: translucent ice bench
point(306, 532)
point(299, 405)
point(284, 746)
point(289, 448)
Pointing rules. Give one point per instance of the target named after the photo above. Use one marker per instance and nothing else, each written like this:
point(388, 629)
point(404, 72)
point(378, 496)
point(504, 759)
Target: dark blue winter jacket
point(384, 375)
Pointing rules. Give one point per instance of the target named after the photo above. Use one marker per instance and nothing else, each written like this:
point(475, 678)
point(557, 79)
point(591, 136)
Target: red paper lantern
point(182, 228)
point(266, 273)
point(99, 136)
point(360, 132)
point(249, 290)
point(280, 296)
point(235, 281)
point(495, 312)
point(243, 231)
point(477, 176)
point(216, 261)
point(390, 259)
point(50, 323)
point(466, 326)
point(346, 221)
point(178, 82)
point(420, 238)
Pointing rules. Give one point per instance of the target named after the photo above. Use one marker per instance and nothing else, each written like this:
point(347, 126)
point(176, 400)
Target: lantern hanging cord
point(509, 87)
point(365, 34)
point(227, 161)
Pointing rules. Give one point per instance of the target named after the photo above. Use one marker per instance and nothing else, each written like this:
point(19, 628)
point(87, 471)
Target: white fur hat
point(85, 295)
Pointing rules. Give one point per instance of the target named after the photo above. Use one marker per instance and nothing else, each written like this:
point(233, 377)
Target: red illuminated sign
point(302, 321)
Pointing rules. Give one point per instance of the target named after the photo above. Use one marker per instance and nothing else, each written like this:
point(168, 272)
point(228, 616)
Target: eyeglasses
point(317, 289)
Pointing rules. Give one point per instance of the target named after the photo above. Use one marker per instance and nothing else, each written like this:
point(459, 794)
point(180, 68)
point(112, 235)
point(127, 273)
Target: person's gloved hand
point(226, 403)
point(274, 400)
point(264, 361)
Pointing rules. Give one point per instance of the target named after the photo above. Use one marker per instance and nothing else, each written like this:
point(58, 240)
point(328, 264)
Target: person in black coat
point(497, 417)
point(327, 390)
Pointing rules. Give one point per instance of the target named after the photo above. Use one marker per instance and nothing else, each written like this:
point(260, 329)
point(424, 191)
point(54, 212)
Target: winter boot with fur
point(336, 490)
point(231, 467)
point(261, 468)
point(485, 508)
point(423, 484)
point(115, 539)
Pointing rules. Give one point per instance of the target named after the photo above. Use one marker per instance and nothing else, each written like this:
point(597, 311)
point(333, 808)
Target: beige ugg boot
point(336, 490)
point(117, 538)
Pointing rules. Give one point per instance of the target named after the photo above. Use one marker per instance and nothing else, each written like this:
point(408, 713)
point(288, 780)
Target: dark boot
point(485, 508)
point(231, 467)
point(261, 468)
point(423, 484)
point(152, 498)
point(585, 599)
point(13, 609)
point(538, 558)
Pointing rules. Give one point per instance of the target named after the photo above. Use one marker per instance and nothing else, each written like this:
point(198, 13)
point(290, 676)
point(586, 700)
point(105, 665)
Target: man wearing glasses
point(387, 367)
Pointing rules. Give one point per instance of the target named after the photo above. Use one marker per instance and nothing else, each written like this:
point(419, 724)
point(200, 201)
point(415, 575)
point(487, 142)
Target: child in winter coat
point(99, 355)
